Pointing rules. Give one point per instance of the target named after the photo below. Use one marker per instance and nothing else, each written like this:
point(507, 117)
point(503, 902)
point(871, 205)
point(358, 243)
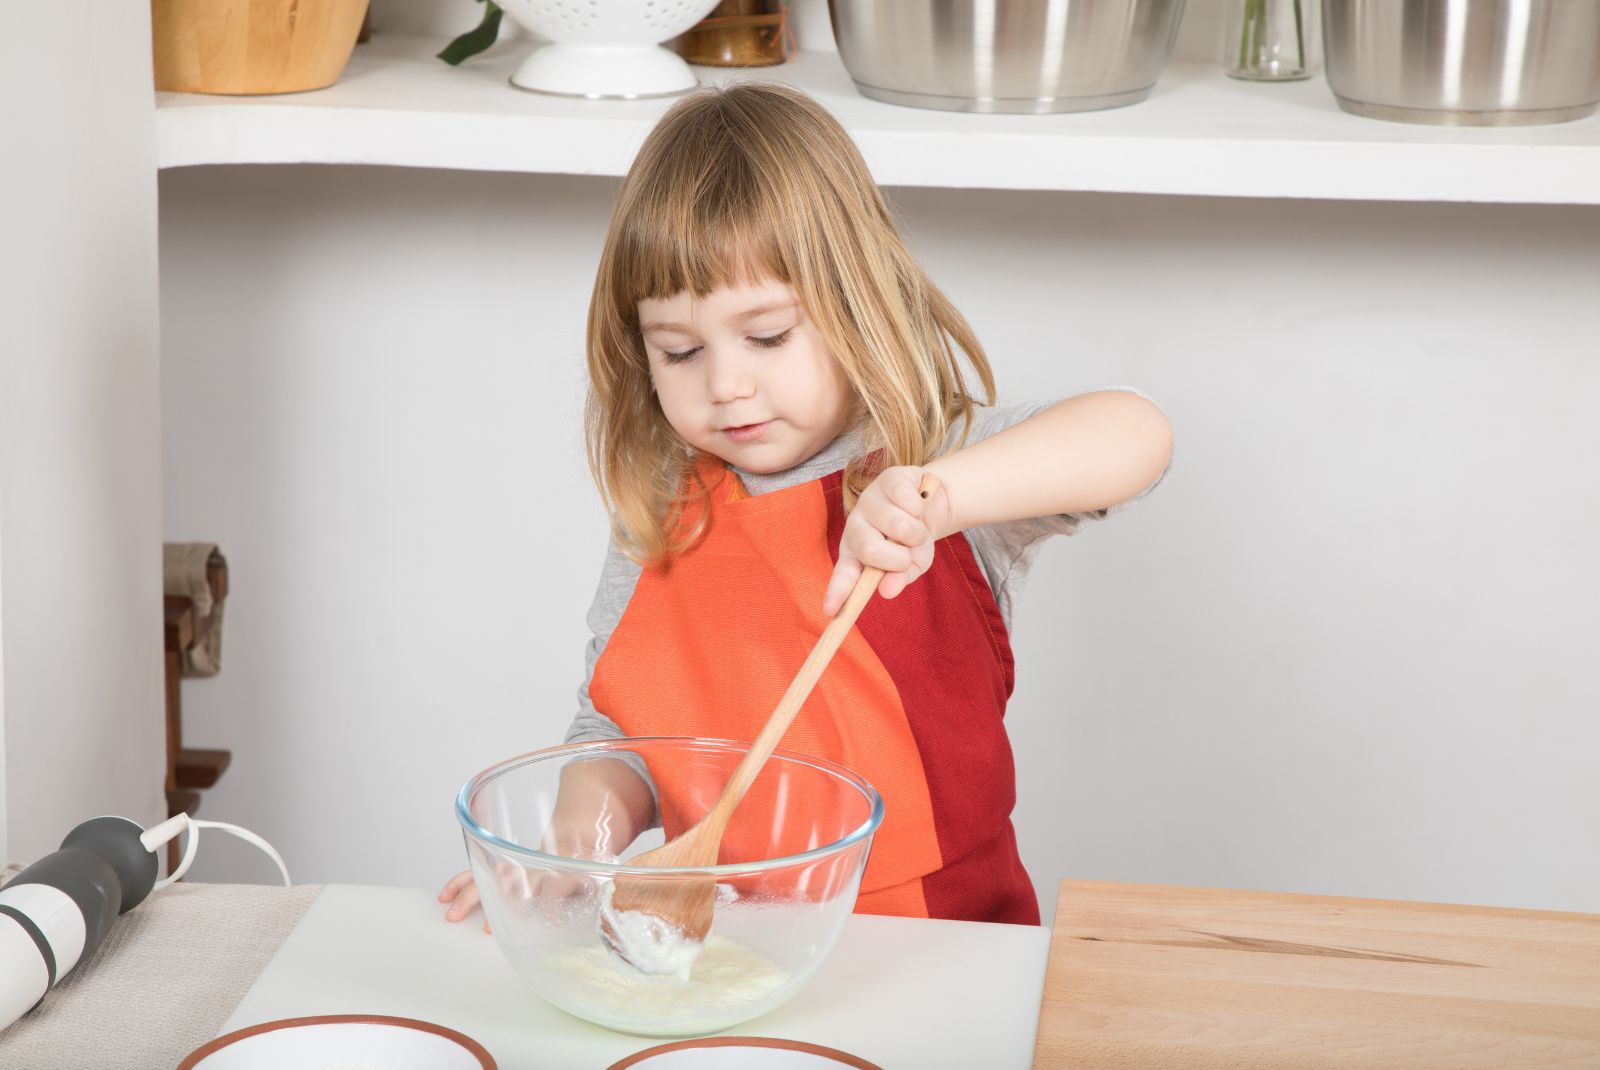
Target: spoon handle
point(800, 688)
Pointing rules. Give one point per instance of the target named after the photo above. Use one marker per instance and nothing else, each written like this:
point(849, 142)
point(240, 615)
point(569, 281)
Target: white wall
point(80, 491)
point(1348, 648)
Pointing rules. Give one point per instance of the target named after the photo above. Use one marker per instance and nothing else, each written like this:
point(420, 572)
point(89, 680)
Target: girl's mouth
point(747, 432)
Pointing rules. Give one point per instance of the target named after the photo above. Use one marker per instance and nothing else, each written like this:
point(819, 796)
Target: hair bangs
point(721, 229)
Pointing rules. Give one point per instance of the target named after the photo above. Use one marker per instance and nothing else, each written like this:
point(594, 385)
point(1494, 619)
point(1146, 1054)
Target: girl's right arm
point(601, 807)
point(1082, 455)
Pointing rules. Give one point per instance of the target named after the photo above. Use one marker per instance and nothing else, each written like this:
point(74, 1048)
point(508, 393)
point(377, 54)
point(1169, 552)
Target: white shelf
point(1199, 133)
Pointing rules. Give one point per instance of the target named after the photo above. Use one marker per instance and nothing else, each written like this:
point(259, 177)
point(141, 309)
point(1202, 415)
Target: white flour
point(651, 944)
point(727, 983)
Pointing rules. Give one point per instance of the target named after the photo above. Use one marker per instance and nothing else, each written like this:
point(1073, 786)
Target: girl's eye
point(669, 357)
point(773, 341)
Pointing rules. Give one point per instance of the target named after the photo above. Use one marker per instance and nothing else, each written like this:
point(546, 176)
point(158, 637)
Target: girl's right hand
point(520, 890)
point(461, 892)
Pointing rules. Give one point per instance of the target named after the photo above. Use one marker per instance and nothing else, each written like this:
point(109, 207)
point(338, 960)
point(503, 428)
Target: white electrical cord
point(180, 823)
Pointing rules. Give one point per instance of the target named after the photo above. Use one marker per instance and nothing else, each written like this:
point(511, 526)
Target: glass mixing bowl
point(786, 878)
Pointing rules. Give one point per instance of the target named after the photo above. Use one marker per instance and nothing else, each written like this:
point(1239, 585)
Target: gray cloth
point(185, 571)
point(166, 977)
point(1005, 551)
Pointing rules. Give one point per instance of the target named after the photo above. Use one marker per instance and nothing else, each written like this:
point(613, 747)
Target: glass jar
point(739, 33)
point(1271, 40)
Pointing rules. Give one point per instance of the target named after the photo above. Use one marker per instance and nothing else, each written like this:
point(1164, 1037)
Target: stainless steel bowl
point(1464, 62)
point(1006, 55)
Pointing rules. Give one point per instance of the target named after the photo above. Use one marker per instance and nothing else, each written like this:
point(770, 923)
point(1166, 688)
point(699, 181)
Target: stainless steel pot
point(1006, 55)
point(1464, 62)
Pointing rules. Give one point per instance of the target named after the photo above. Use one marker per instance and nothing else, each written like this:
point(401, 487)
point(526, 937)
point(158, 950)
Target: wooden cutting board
point(1161, 977)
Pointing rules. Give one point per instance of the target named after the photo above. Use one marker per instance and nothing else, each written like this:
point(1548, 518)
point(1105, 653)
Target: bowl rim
point(466, 1043)
point(842, 1058)
point(470, 825)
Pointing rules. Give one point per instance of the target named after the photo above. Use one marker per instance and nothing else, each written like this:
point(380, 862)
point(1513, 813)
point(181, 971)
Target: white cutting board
point(900, 992)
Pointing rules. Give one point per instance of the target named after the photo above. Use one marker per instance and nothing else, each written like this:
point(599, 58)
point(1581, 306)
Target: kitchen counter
point(1151, 977)
point(896, 991)
point(1142, 976)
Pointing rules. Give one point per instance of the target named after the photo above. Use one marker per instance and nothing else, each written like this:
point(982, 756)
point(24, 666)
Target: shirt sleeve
point(1005, 551)
point(618, 578)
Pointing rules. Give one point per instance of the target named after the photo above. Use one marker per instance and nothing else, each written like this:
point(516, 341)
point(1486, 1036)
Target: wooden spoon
point(684, 905)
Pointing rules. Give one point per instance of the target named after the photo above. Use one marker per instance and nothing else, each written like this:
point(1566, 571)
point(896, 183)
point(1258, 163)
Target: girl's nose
point(728, 379)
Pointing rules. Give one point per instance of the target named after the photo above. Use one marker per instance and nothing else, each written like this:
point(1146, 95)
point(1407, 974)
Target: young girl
point(771, 374)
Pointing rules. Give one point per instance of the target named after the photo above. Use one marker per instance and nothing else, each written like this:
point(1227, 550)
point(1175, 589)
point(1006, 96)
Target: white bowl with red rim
point(742, 1053)
point(342, 1040)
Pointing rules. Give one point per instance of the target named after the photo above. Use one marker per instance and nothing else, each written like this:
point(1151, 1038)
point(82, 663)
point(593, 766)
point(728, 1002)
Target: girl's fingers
point(885, 554)
point(906, 493)
point(902, 529)
point(878, 552)
point(454, 885)
point(463, 904)
point(516, 884)
point(845, 574)
point(895, 582)
point(900, 525)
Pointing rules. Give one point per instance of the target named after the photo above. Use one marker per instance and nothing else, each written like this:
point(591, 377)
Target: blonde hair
point(738, 184)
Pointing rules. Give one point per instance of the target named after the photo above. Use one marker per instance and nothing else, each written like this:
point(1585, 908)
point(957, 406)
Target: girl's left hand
point(893, 528)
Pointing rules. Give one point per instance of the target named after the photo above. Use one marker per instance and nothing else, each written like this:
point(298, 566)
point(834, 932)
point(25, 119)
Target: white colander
point(606, 48)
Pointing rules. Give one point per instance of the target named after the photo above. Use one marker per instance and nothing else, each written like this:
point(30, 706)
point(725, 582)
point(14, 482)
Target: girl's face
point(744, 375)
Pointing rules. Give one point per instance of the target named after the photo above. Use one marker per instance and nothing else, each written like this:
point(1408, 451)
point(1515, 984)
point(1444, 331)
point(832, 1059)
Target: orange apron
point(913, 701)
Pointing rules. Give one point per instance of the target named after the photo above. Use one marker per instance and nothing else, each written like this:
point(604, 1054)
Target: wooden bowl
point(253, 46)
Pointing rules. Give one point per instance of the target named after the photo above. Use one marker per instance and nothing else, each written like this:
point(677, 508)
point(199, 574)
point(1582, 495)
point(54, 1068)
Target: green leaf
point(474, 41)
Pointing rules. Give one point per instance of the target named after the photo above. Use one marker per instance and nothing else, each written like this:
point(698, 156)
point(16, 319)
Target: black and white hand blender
point(55, 913)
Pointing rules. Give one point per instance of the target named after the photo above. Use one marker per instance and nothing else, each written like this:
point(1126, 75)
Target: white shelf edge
point(1199, 134)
